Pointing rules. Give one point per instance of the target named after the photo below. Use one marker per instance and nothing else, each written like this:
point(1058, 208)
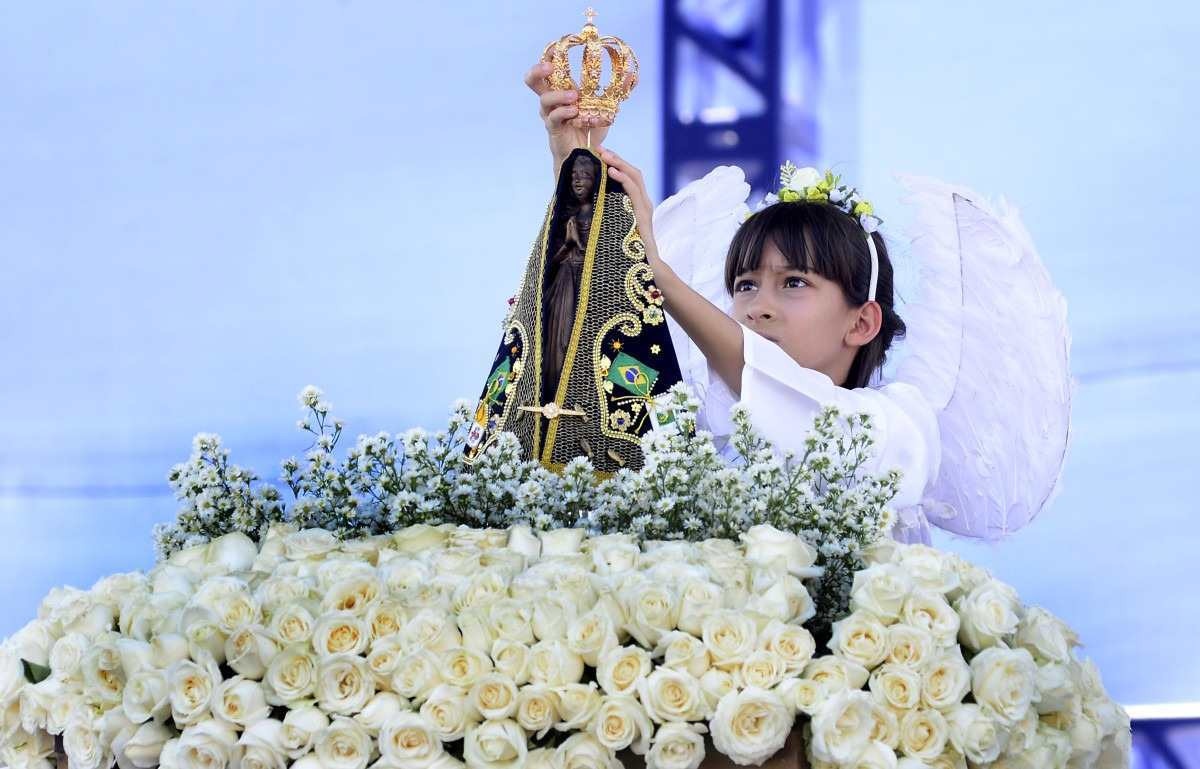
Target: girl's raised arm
point(717, 335)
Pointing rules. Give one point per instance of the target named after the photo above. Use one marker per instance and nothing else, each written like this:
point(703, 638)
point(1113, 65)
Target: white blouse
point(783, 398)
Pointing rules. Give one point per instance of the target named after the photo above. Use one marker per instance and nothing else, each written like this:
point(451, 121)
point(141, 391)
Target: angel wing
point(988, 347)
point(693, 229)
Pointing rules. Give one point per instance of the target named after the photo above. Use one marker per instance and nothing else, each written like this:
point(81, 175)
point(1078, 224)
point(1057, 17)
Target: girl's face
point(805, 314)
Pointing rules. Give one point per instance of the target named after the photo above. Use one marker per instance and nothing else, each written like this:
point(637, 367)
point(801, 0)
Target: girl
point(794, 309)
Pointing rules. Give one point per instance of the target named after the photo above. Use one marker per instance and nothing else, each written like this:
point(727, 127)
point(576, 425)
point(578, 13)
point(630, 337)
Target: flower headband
point(797, 184)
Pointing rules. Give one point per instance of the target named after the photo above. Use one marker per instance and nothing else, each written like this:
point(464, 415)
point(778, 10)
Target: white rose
point(621, 722)
point(231, 553)
point(344, 744)
point(729, 635)
point(449, 711)
point(281, 590)
point(836, 674)
point(476, 629)
point(496, 744)
point(923, 734)
point(577, 705)
point(1046, 636)
point(512, 659)
point(621, 668)
point(591, 635)
point(975, 734)
point(431, 629)
point(897, 686)
point(552, 663)
point(33, 642)
point(877, 755)
point(908, 646)
point(383, 661)
point(382, 707)
point(249, 650)
point(1004, 680)
point(521, 539)
point(767, 544)
point(989, 615)
point(945, 680)
point(309, 544)
point(669, 695)
point(683, 651)
point(28, 751)
point(1055, 688)
point(615, 556)
point(262, 747)
point(66, 655)
point(419, 538)
point(292, 624)
point(881, 590)
point(584, 751)
point(240, 702)
point(841, 729)
point(697, 599)
point(887, 725)
point(803, 178)
point(84, 747)
point(762, 669)
point(143, 749)
point(804, 693)
point(752, 725)
point(355, 595)
point(537, 709)
point(551, 614)
point(677, 746)
point(494, 695)
point(731, 571)
point(480, 590)
point(300, 728)
point(36, 703)
point(512, 620)
point(76, 611)
point(416, 675)
point(103, 672)
point(793, 643)
point(402, 575)
point(291, 676)
point(860, 637)
point(386, 618)
point(208, 745)
point(540, 758)
point(455, 562)
point(341, 633)
point(715, 684)
point(650, 610)
point(191, 687)
point(561, 541)
point(146, 696)
point(462, 667)
point(930, 568)
point(929, 611)
point(786, 600)
point(344, 684)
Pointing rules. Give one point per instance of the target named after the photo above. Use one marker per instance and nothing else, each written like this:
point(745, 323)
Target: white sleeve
point(784, 398)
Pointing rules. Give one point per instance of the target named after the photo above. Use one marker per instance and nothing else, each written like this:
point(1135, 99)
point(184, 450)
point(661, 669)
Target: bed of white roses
point(444, 646)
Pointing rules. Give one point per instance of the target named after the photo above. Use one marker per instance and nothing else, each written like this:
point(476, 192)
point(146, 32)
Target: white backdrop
point(206, 206)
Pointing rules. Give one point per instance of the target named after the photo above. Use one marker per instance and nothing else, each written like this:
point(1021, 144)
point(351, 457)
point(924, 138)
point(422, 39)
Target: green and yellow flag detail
point(497, 382)
point(632, 375)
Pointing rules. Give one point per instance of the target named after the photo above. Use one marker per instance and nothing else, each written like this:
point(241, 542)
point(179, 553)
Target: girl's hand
point(635, 187)
point(566, 130)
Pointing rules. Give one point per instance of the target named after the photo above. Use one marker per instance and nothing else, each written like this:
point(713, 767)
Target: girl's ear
point(867, 321)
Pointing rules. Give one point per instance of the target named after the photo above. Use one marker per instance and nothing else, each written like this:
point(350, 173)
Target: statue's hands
point(631, 179)
point(567, 131)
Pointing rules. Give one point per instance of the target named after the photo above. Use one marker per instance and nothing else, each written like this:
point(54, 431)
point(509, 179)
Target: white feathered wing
point(988, 347)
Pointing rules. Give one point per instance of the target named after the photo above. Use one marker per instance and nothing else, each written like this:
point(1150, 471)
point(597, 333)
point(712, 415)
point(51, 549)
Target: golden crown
point(595, 105)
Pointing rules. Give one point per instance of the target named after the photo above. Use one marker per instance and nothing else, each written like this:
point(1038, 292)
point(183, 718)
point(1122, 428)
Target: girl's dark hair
point(818, 237)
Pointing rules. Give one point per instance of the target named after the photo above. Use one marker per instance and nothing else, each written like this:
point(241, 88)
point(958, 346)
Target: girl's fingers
point(535, 78)
point(550, 100)
point(561, 115)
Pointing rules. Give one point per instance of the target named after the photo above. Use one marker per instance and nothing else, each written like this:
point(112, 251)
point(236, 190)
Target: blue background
point(206, 206)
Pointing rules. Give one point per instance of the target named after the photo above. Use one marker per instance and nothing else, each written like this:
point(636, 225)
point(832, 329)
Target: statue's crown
point(599, 105)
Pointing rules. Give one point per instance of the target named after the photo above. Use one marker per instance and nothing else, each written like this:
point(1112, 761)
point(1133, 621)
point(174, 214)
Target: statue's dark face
point(583, 179)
